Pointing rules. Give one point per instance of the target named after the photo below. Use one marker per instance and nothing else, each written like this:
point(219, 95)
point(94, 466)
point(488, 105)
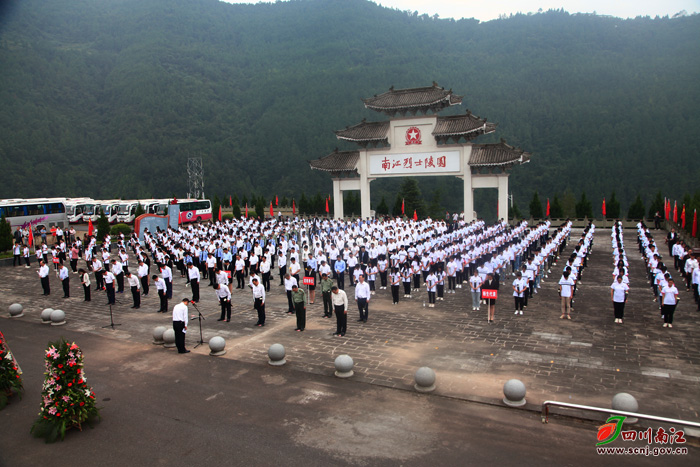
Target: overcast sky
point(485, 10)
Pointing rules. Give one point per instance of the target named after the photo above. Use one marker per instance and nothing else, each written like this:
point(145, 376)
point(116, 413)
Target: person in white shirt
point(289, 282)
point(134, 284)
point(43, 273)
point(362, 297)
point(339, 299)
point(224, 296)
point(259, 301)
point(167, 274)
point(65, 279)
point(180, 318)
point(618, 295)
point(193, 274)
point(519, 288)
point(475, 286)
point(669, 299)
point(566, 288)
point(142, 273)
point(264, 268)
point(85, 281)
point(109, 280)
point(162, 293)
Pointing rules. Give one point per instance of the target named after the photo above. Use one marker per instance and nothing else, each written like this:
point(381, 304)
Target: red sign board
point(309, 281)
point(489, 294)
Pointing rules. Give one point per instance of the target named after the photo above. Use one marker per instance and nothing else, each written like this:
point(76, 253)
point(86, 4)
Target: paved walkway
point(586, 360)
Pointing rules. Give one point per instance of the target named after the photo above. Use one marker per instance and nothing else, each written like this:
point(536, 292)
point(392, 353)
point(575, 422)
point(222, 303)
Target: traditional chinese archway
point(420, 145)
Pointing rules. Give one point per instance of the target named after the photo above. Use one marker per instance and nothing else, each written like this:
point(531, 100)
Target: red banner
point(309, 280)
point(489, 294)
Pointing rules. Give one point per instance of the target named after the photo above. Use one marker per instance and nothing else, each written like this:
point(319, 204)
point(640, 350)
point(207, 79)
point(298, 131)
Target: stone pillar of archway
point(363, 170)
point(337, 199)
point(503, 196)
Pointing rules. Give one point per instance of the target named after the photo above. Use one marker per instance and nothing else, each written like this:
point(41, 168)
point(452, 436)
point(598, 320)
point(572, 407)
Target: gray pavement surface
point(585, 360)
point(161, 408)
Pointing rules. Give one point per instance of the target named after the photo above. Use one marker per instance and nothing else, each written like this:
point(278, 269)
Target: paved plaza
point(585, 360)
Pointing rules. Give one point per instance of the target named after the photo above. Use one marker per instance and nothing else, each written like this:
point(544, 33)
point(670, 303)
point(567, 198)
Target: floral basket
point(67, 401)
point(10, 374)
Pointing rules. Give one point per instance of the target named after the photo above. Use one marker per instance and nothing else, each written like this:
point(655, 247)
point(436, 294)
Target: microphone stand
point(111, 319)
point(200, 317)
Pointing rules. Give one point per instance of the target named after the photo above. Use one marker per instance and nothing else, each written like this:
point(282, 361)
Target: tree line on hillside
point(109, 99)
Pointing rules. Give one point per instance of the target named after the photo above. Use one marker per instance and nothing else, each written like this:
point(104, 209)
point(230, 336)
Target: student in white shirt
point(475, 286)
point(566, 288)
point(669, 301)
point(519, 288)
point(618, 294)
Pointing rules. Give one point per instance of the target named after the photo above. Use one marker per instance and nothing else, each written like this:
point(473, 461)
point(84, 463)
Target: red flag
point(683, 218)
point(604, 213)
point(327, 211)
point(31, 236)
point(90, 228)
point(675, 212)
point(272, 212)
point(403, 207)
point(230, 201)
point(695, 223)
point(219, 213)
point(294, 208)
point(415, 215)
point(547, 208)
point(277, 201)
point(246, 210)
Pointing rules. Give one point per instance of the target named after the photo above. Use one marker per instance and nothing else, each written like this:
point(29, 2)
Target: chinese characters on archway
point(411, 162)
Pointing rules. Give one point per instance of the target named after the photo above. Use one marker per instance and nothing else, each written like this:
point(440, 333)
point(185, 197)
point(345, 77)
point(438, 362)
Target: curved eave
point(338, 162)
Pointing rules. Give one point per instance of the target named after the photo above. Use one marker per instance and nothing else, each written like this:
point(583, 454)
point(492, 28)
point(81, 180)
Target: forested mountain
point(108, 98)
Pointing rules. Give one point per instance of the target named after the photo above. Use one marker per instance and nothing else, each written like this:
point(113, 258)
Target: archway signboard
point(423, 145)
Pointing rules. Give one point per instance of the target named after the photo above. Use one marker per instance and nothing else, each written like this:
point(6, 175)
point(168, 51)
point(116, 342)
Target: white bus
point(127, 211)
point(110, 208)
point(192, 210)
point(35, 212)
point(76, 208)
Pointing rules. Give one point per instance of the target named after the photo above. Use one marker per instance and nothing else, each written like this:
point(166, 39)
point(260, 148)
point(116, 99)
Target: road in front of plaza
point(162, 408)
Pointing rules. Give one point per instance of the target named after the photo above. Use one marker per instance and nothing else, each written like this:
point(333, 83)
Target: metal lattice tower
point(195, 178)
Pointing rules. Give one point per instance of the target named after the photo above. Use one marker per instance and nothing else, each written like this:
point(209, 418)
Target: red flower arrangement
point(10, 374)
point(68, 405)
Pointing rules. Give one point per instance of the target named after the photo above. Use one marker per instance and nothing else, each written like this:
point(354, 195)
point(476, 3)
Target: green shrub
point(120, 228)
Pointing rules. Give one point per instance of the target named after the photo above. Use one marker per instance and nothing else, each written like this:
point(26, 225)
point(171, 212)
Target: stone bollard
point(58, 318)
point(158, 335)
point(425, 380)
point(169, 338)
point(343, 366)
point(16, 310)
point(626, 403)
point(46, 315)
point(514, 392)
point(216, 346)
point(276, 353)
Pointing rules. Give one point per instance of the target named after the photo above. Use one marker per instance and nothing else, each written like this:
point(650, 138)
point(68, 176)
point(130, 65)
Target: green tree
point(139, 210)
point(103, 227)
point(536, 207)
point(6, 239)
point(412, 197)
point(215, 206)
point(657, 205)
point(236, 207)
point(303, 206)
point(284, 202)
point(568, 204)
point(396, 210)
point(584, 208)
point(612, 207)
point(382, 209)
point(244, 202)
point(435, 210)
point(636, 210)
point(514, 212)
point(556, 211)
